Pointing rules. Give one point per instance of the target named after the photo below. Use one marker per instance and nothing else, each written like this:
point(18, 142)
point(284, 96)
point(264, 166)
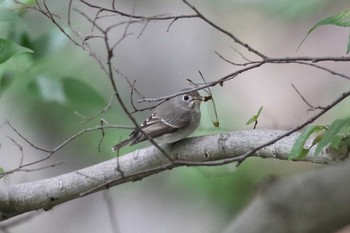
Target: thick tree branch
point(44, 194)
point(317, 202)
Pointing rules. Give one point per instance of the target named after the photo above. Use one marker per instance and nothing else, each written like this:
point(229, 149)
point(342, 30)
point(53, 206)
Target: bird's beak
point(198, 99)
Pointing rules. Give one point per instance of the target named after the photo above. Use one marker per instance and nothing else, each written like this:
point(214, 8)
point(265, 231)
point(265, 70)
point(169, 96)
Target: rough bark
point(44, 194)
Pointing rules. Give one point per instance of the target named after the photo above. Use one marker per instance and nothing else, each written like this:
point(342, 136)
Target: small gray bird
point(170, 121)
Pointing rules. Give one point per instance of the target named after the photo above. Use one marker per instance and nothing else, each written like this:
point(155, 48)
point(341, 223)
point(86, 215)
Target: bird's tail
point(120, 145)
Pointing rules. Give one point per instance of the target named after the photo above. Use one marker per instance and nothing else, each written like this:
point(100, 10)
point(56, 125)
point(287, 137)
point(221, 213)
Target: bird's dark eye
point(185, 97)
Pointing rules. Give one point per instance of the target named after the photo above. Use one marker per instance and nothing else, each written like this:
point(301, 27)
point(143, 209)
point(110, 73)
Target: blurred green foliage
point(332, 135)
point(299, 150)
point(225, 186)
point(41, 80)
point(9, 49)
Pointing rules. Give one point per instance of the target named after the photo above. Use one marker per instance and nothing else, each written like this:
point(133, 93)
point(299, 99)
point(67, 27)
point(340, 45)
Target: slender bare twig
point(205, 85)
point(25, 139)
point(86, 119)
point(102, 121)
point(216, 121)
point(325, 69)
point(23, 169)
point(228, 61)
point(69, 13)
point(23, 166)
point(220, 29)
point(131, 96)
point(20, 149)
point(114, 10)
point(302, 97)
point(311, 59)
point(50, 16)
point(240, 54)
point(143, 29)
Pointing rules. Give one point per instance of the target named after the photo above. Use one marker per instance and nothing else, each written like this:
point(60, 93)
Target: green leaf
point(341, 19)
point(81, 93)
point(337, 130)
point(298, 150)
point(251, 120)
point(336, 141)
point(1, 170)
point(9, 49)
point(254, 119)
point(318, 137)
point(259, 111)
point(212, 112)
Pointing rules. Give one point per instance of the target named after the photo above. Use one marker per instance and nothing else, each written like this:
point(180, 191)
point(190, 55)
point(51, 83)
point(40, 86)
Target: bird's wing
point(153, 127)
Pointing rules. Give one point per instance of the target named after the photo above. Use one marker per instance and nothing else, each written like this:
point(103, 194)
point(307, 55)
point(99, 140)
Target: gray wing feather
point(153, 127)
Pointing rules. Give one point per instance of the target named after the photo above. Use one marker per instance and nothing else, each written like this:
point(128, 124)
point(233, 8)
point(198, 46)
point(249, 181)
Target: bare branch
point(25, 139)
point(20, 149)
point(69, 12)
point(25, 166)
point(114, 10)
point(302, 97)
point(325, 69)
point(148, 161)
point(228, 61)
point(89, 118)
point(206, 85)
point(229, 34)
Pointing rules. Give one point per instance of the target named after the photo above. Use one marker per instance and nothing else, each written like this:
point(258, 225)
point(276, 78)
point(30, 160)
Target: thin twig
point(25, 139)
point(86, 119)
point(241, 54)
point(20, 149)
point(228, 61)
point(50, 153)
point(69, 12)
point(114, 10)
point(216, 122)
point(131, 96)
point(325, 69)
point(205, 85)
point(102, 135)
point(302, 97)
point(220, 29)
